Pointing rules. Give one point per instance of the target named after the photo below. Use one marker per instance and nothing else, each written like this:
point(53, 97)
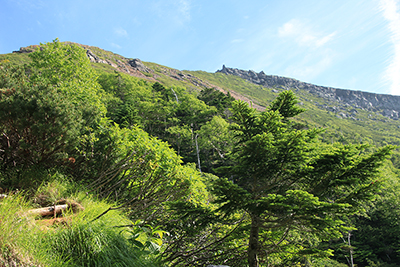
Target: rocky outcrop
point(138, 65)
point(387, 105)
point(95, 59)
point(26, 50)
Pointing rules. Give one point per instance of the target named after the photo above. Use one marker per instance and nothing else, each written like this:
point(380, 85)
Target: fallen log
point(47, 211)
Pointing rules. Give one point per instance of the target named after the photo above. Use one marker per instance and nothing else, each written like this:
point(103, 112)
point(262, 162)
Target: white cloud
point(391, 13)
point(309, 68)
point(121, 32)
point(184, 9)
point(29, 4)
point(178, 11)
point(303, 34)
point(325, 39)
point(308, 52)
point(116, 45)
point(237, 41)
point(289, 28)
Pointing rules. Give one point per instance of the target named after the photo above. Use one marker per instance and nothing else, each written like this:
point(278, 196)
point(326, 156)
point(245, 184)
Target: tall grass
point(78, 241)
point(84, 242)
point(93, 244)
point(17, 232)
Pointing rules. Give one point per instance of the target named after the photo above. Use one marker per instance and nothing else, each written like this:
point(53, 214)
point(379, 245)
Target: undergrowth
point(79, 240)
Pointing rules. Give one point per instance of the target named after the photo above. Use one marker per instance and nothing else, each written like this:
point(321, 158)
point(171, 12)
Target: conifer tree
point(286, 181)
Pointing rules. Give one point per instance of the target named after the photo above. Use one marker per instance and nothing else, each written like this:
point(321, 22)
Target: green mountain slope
point(153, 138)
point(344, 121)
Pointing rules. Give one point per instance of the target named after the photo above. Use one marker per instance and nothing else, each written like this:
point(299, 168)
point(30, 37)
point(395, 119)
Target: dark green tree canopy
point(285, 180)
point(215, 98)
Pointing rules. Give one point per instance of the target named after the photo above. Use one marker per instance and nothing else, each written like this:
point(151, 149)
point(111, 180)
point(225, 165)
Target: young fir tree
point(288, 182)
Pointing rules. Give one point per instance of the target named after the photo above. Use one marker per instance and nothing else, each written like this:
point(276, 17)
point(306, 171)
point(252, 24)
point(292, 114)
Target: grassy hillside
point(363, 127)
point(360, 126)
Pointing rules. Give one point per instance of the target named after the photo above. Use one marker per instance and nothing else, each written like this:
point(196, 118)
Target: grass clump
point(17, 232)
point(80, 240)
point(94, 244)
point(100, 242)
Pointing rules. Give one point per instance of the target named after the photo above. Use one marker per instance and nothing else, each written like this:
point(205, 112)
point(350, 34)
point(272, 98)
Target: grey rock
point(93, 58)
point(23, 50)
point(138, 64)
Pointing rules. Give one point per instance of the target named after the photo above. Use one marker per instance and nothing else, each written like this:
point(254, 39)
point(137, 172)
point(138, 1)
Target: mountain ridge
point(386, 105)
point(383, 104)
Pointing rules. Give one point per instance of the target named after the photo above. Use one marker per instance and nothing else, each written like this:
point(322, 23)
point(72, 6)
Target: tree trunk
point(253, 241)
point(198, 152)
point(351, 249)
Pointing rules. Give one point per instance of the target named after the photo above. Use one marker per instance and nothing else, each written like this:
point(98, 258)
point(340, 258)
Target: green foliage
point(171, 114)
point(216, 142)
point(79, 242)
point(284, 181)
point(217, 99)
point(139, 170)
point(327, 263)
point(67, 67)
point(39, 124)
point(285, 104)
point(146, 238)
point(130, 98)
point(94, 245)
point(292, 187)
point(14, 59)
point(377, 236)
point(104, 241)
point(197, 237)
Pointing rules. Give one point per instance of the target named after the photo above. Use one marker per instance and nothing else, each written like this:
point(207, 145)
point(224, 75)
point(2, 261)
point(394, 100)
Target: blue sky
point(351, 44)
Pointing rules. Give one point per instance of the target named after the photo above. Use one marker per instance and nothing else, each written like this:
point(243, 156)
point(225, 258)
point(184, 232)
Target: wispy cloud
point(303, 34)
point(237, 41)
point(177, 10)
point(121, 32)
point(184, 9)
point(116, 45)
point(309, 67)
point(29, 4)
point(391, 13)
point(309, 46)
